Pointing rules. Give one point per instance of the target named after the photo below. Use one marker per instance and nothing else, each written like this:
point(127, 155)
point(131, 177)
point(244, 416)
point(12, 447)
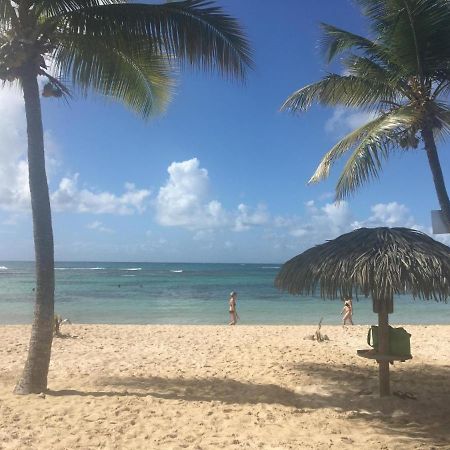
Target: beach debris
point(364, 392)
point(41, 395)
point(57, 323)
point(318, 336)
point(405, 395)
point(51, 90)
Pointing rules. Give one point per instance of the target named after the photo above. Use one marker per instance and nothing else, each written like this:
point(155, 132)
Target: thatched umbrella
point(379, 262)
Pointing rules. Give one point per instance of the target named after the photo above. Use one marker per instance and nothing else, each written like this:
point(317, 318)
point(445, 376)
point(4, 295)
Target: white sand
point(212, 387)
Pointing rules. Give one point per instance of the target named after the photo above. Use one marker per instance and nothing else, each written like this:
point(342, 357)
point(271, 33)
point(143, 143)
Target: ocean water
point(180, 293)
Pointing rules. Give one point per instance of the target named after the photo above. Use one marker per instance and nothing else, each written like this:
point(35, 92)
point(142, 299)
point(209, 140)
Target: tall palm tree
point(401, 76)
point(122, 50)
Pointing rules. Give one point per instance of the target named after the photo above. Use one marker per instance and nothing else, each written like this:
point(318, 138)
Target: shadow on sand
point(65, 336)
point(423, 420)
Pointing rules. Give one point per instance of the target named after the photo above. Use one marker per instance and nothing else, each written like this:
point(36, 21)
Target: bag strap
point(368, 336)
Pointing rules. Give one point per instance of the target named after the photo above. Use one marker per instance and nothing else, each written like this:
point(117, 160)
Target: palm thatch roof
point(379, 262)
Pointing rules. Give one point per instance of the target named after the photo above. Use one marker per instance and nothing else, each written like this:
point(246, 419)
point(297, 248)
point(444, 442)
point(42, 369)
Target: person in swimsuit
point(347, 311)
point(232, 308)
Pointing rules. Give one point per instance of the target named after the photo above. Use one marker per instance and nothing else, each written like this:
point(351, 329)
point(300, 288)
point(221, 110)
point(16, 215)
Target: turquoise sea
point(180, 293)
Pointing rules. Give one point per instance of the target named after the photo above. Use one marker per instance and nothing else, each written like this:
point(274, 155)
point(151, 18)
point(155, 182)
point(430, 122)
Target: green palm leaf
point(366, 68)
point(365, 163)
point(441, 114)
point(128, 71)
point(193, 31)
point(417, 32)
point(51, 8)
point(7, 15)
point(338, 90)
point(335, 41)
point(6, 10)
point(367, 136)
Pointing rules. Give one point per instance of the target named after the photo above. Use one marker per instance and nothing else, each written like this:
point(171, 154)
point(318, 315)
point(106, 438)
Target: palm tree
point(401, 76)
point(122, 50)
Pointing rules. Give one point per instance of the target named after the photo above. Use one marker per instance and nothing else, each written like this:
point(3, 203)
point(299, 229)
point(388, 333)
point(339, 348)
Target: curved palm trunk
point(438, 178)
point(34, 377)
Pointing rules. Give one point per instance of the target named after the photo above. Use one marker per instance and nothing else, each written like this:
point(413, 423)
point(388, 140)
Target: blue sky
point(221, 176)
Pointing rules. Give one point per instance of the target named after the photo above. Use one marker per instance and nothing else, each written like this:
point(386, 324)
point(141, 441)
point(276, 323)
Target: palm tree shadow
point(193, 389)
point(65, 336)
point(424, 419)
point(357, 392)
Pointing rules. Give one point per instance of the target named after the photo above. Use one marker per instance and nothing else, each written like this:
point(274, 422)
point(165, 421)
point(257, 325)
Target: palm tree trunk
point(438, 178)
point(34, 377)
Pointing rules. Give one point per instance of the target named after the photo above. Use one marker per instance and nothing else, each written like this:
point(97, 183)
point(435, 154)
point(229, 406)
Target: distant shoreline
point(181, 293)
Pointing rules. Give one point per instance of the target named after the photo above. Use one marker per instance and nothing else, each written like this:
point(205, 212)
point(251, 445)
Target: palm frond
point(378, 134)
point(441, 118)
point(128, 71)
point(442, 89)
point(376, 11)
point(335, 41)
point(339, 90)
point(193, 31)
point(52, 8)
point(7, 14)
point(365, 163)
point(416, 32)
point(363, 67)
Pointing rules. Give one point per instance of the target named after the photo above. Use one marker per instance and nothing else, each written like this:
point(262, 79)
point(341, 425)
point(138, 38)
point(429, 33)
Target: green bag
point(399, 340)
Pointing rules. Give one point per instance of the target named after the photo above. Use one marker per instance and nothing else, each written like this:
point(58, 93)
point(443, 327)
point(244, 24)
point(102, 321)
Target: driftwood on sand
point(318, 336)
point(58, 322)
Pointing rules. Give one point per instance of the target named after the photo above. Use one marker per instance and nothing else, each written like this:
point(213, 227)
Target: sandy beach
point(209, 387)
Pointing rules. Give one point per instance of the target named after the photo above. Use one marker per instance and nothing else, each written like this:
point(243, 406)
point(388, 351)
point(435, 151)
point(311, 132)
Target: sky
point(222, 175)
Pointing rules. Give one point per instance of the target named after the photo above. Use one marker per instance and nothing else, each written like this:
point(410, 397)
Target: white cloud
point(184, 199)
point(327, 196)
point(337, 216)
point(298, 232)
point(444, 238)
point(98, 226)
point(246, 218)
point(69, 197)
point(203, 235)
point(344, 120)
point(394, 214)
point(14, 189)
point(12, 219)
point(14, 185)
point(391, 214)
point(320, 223)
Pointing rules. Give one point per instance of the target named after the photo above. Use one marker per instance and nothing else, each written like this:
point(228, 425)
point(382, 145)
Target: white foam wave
point(3, 268)
point(127, 275)
point(271, 267)
point(176, 271)
point(80, 268)
point(133, 268)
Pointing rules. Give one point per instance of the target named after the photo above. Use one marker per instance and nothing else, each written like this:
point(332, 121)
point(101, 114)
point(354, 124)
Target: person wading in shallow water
point(232, 308)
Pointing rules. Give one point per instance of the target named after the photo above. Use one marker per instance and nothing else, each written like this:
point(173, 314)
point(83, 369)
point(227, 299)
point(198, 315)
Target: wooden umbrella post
point(383, 348)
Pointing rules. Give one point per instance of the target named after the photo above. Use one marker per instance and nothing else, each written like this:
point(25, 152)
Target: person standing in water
point(232, 308)
point(347, 311)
